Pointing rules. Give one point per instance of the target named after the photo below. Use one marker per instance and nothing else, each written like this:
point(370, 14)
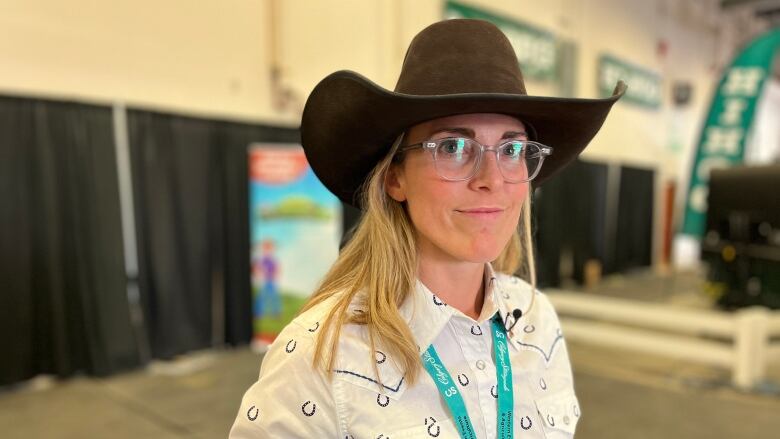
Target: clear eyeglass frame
point(541, 151)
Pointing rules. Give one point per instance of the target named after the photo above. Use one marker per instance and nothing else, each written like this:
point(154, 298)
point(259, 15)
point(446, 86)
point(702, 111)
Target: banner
point(722, 141)
point(295, 233)
point(645, 89)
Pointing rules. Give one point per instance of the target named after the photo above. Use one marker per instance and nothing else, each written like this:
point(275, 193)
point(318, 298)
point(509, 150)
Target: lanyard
point(452, 397)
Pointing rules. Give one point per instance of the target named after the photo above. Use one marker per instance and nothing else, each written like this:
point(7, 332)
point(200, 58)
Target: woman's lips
point(481, 212)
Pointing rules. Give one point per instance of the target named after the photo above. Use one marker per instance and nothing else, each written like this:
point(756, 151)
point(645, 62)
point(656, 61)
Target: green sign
point(645, 89)
point(536, 49)
point(722, 140)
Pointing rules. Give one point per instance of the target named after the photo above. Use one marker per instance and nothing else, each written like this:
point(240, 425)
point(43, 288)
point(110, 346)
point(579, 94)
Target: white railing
point(740, 341)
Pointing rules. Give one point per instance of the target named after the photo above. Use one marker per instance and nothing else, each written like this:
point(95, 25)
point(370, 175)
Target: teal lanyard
point(452, 397)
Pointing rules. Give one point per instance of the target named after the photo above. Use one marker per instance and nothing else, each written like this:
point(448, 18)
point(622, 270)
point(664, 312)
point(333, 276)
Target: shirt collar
point(427, 314)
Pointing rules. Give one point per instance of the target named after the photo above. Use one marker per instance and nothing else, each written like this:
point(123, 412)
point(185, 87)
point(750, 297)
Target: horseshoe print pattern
point(290, 346)
point(432, 432)
point(537, 349)
point(311, 411)
point(253, 413)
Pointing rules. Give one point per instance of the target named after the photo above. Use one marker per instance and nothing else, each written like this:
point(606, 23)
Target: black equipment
point(742, 241)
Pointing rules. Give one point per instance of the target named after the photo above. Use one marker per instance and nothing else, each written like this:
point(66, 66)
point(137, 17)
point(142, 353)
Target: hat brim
point(349, 124)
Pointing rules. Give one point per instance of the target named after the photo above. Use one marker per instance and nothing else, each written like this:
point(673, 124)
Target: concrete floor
point(622, 394)
point(195, 397)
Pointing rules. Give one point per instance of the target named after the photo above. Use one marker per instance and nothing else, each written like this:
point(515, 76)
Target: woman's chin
point(483, 253)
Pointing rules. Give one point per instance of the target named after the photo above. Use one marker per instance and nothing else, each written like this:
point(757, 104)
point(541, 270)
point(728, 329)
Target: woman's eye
point(449, 147)
point(513, 150)
point(454, 147)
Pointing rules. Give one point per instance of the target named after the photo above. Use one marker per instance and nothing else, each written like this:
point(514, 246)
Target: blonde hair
point(381, 260)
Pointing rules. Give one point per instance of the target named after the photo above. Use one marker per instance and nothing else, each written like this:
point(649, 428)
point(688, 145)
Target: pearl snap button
point(480, 365)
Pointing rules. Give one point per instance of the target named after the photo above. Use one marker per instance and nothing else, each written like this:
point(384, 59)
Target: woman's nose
point(488, 174)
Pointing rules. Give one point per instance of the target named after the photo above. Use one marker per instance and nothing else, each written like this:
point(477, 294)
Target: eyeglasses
point(458, 159)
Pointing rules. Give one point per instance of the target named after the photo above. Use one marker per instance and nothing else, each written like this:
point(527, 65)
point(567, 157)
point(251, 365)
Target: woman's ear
point(394, 183)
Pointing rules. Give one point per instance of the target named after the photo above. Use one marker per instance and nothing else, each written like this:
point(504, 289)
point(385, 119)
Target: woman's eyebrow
point(511, 134)
point(468, 132)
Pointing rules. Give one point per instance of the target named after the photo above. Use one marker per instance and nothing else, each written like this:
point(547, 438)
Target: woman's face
point(466, 221)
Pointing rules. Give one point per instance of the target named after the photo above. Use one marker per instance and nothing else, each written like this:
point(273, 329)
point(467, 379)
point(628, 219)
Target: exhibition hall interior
point(160, 223)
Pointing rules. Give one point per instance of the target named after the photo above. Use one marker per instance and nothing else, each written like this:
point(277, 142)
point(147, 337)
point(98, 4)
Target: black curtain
point(633, 244)
point(190, 180)
point(569, 215)
point(63, 302)
point(589, 234)
point(349, 220)
point(549, 223)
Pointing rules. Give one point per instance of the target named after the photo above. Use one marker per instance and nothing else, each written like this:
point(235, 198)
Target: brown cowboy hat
point(452, 67)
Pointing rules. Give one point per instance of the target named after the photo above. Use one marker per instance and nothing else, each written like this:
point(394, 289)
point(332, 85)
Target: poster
point(295, 232)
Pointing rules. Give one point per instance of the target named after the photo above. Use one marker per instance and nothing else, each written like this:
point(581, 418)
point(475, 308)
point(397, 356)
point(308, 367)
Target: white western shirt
point(293, 400)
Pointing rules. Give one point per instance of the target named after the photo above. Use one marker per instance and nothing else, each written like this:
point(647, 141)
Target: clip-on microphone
point(516, 314)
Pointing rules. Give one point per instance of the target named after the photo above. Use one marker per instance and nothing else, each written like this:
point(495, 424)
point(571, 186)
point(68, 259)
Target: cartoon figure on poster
point(265, 269)
point(295, 232)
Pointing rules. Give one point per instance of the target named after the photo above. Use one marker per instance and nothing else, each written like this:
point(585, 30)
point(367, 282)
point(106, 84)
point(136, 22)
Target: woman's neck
point(460, 284)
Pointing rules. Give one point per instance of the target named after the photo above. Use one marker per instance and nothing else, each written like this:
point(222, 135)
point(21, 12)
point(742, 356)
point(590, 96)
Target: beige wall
point(204, 57)
point(214, 58)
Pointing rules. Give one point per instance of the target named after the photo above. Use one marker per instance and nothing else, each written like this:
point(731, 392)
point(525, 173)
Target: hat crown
point(460, 56)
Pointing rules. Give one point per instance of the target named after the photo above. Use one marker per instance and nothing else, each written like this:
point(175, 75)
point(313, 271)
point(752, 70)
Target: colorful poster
point(295, 232)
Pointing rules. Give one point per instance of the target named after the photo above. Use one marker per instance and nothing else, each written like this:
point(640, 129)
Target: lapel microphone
point(516, 313)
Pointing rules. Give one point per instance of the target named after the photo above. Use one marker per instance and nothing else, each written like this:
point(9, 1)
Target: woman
point(419, 329)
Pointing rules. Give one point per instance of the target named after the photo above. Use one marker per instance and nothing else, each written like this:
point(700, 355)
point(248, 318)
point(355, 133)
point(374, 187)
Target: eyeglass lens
point(458, 158)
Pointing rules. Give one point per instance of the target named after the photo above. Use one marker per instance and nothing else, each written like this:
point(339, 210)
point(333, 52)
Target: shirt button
point(566, 420)
point(480, 365)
